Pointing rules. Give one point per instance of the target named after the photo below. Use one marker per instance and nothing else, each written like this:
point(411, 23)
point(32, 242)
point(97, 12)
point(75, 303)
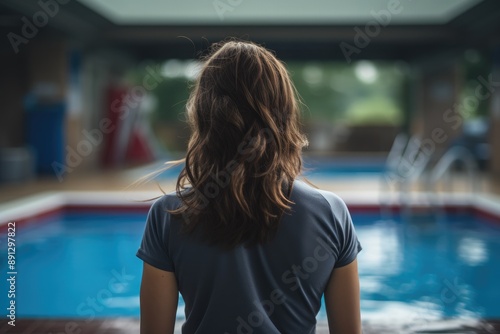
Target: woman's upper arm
point(342, 300)
point(159, 298)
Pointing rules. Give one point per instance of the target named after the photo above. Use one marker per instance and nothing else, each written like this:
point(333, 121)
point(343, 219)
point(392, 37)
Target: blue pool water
point(313, 167)
point(84, 265)
point(331, 167)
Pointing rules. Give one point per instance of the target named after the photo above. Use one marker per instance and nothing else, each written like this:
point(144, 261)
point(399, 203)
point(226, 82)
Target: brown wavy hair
point(245, 148)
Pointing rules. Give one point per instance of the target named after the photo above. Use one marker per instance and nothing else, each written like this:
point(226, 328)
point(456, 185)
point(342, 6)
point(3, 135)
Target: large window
point(335, 96)
point(364, 93)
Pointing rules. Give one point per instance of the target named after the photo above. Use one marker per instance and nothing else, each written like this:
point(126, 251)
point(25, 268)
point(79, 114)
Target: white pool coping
point(34, 205)
point(50, 201)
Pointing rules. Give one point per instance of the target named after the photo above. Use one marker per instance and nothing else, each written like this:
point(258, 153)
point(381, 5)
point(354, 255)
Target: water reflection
point(429, 270)
point(472, 251)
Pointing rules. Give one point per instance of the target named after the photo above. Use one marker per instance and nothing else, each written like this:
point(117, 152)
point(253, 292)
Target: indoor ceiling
point(171, 12)
point(295, 29)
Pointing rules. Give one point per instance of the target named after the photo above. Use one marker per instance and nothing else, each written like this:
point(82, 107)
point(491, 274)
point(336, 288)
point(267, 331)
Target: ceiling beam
point(69, 17)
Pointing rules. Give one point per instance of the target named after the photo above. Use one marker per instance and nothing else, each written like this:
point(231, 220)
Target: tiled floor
point(131, 326)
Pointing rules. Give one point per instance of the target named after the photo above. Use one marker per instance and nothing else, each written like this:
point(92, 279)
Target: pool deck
point(131, 326)
point(118, 180)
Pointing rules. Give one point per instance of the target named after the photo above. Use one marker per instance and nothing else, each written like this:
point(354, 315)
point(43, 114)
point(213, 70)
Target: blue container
point(45, 134)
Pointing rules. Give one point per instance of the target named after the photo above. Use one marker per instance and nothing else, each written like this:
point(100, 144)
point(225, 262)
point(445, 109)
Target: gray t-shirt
point(271, 288)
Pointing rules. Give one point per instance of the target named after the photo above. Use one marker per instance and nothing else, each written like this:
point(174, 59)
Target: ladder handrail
point(455, 153)
point(396, 151)
point(407, 151)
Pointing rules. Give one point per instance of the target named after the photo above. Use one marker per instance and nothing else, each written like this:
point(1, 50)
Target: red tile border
point(144, 208)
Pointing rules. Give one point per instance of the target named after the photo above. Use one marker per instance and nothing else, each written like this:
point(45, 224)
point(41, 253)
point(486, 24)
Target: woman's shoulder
point(168, 201)
point(316, 198)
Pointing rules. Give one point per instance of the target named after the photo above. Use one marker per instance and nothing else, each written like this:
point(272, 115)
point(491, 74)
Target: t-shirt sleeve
point(348, 244)
point(351, 246)
point(154, 246)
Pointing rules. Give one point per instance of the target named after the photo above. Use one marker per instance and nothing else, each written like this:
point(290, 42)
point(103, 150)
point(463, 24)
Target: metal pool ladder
point(406, 163)
point(442, 168)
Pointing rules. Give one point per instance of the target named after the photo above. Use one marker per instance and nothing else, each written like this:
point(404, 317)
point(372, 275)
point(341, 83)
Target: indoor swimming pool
point(414, 270)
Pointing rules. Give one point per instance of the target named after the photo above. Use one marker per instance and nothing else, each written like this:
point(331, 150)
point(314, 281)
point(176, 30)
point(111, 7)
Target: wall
point(12, 89)
point(495, 124)
point(437, 93)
